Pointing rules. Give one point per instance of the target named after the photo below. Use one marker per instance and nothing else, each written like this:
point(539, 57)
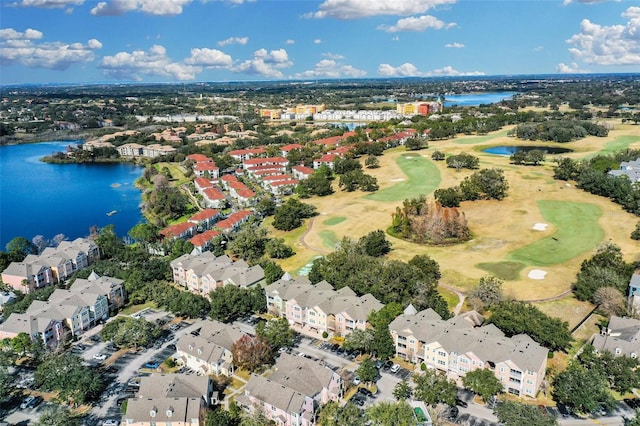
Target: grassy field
point(481, 139)
point(422, 178)
point(329, 238)
point(577, 232)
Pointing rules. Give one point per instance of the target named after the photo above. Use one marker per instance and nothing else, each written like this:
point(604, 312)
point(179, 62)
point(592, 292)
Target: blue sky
point(89, 41)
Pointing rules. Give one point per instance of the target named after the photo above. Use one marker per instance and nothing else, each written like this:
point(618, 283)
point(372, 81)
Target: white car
point(100, 357)
point(27, 402)
point(110, 423)
point(395, 368)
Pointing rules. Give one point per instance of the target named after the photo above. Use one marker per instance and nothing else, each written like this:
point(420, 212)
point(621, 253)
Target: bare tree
point(57, 239)
point(40, 242)
point(610, 300)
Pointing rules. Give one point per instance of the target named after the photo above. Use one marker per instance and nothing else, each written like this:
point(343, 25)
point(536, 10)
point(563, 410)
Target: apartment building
point(457, 346)
point(621, 337)
point(203, 273)
point(210, 351)
point(294, 393)
point(314, 309)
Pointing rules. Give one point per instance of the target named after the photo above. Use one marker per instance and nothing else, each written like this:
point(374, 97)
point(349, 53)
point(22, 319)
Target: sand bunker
point(540, 227)
point(537, 274)
point(396, 180)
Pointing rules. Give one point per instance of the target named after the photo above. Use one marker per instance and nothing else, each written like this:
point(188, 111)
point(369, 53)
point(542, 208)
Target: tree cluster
point(229, 302)
point(429, 223)
point(66, 374)
point(463, 161)
point(604, 278)
point(592, 176)
point(514, 317)
point(129, 332)
point(514, 413)
point(291, 213)
point(251, 352)
point(559, 131)
point(485, 184)
point(532, 157)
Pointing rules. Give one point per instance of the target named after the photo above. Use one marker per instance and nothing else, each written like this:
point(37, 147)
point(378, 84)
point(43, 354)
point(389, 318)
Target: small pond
point(508, 150)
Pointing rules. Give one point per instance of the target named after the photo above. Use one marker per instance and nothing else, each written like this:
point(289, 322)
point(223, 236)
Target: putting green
point(334, 220)
point(329, 238)
point(423, 177)
point(578, 231)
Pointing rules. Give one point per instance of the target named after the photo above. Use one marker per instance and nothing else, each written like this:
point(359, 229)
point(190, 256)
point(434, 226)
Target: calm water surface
point(475, 99)
point(37, 198)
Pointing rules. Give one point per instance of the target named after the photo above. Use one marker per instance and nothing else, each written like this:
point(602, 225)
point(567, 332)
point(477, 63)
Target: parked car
point(395, 368)
point(27, 402)
point(152, 365)
point(358, 399)
point(463, 404)
point(365, 392)
point(356, 380)
point(100, 356)
point(110, 422)
point(564, 410)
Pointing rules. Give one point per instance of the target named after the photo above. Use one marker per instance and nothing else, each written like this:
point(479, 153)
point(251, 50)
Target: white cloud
point(265, 63)
point(233, 40)
point(51, 4)
point(538, 48)
point(420, 23)
point(290, 41)
point(396, 38)
point(154, 62)
point(573, 68)
point(568, 2)
point(608, 45)
point(151, 7)
point(317, 41)
point(212, 58)
point(450, 71)
point(405, 70)
point(329, 68)
point(334, 56)
point(454, 45)
point(353, 9)
point(20, 48)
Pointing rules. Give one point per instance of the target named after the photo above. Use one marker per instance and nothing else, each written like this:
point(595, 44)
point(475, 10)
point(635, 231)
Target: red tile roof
point(245, 193)
point(327, 158)
point(205, 214)
point(270, 160)
point(229, 178)
point(213, 194)
point(199, 158)
point(205, 166)
point(233, 219)
point(202, 239)
point(202, 182)
point(236, 184)
point(291, 147)
point(177, 229)
point(276, 177)
point(303, 169)
point(253, 151)
point(285, 182)
point(254, 169)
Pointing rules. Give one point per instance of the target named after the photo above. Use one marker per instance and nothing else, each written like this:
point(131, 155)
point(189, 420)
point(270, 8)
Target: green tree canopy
point(277, 332)
point(391, 414)
point(583, 390)
point(433, 387)
point(483, 382)
point(513, 413)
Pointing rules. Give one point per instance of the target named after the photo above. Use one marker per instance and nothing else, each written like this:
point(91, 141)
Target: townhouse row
point(461, 344)
point(203, 273)
point(67, 312)
point(317, 309)
point(53, 265)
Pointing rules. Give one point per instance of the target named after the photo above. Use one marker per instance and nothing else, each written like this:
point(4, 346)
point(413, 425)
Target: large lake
point(475, 99)
point(37, 198)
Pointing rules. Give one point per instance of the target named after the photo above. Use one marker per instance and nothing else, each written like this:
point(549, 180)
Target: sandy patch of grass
point(450, 297)
point(569, 309)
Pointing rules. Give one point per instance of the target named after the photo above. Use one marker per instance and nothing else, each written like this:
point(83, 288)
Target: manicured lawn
point(504, 270)
point(329, 238)
point(450, 297)
point(578, 232)
point(422, 178)
point(334, 220)
point(129, 310)
point(618, 144)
